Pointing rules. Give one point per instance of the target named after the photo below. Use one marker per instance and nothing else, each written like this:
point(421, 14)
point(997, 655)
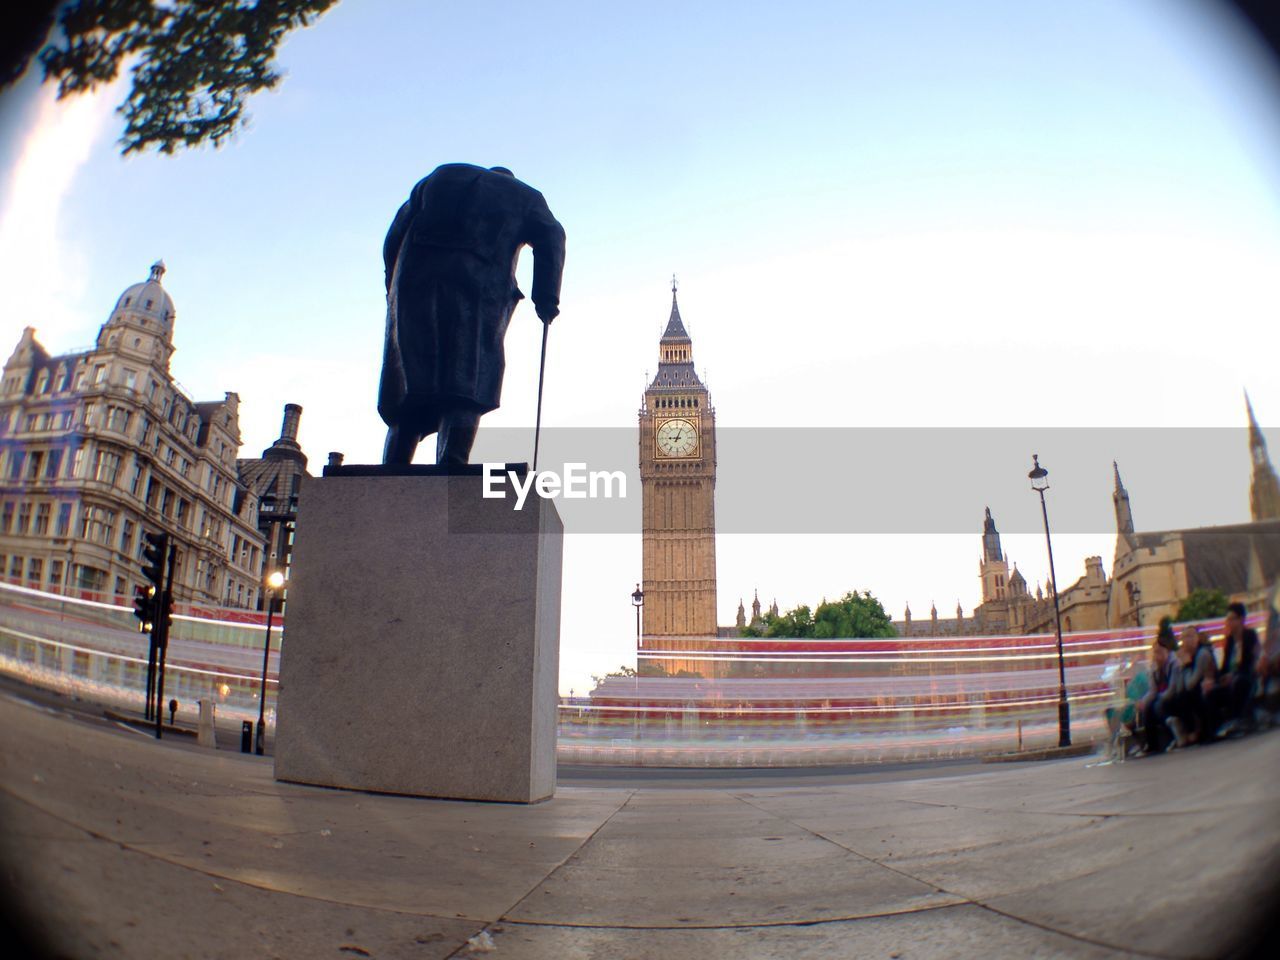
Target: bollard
point(206, 735)
point(246, 736)
point(173, 711)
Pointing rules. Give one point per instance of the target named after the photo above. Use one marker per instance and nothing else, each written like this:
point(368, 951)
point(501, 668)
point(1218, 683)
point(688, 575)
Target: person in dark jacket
point(1165, 686)
point(1233, 689)
point(450, 259)
point(1189, 715)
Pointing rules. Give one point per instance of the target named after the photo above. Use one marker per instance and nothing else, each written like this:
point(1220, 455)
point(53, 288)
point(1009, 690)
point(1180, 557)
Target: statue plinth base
point(421, 649)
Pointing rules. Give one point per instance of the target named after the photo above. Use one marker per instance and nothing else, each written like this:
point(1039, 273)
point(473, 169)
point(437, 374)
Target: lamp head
point(1039, 476)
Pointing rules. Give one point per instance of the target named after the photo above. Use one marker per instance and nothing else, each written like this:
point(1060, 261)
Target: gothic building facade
point(677, 480)
point(1152, 573)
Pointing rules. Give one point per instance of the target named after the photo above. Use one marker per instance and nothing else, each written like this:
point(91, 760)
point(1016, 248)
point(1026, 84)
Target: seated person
point(1123, 720)
point(1166, 680)
point(1231, 695)
point(1269, 662)
point(1189, 717)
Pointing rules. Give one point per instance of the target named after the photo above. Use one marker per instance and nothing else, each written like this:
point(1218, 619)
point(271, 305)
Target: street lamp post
point(1135, 598)
point(1039, 477)
point(637, 601)
point(275, 580)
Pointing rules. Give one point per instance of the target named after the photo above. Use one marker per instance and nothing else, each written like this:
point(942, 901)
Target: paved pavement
point(124, 847)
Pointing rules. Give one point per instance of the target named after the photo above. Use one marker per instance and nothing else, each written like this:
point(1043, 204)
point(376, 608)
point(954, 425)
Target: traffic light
point(165, 612)
point(153, 554)
point(144, 608)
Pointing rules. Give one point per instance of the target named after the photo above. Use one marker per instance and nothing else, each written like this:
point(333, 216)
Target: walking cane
point(542, 367)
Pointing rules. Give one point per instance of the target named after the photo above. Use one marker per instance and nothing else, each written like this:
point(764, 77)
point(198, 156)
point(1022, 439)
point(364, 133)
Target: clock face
point(677, 438)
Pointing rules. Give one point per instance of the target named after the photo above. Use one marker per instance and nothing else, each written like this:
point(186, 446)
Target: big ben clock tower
point(677, 480)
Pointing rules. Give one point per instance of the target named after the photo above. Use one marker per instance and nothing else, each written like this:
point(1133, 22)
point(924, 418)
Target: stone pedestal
point(421, 645)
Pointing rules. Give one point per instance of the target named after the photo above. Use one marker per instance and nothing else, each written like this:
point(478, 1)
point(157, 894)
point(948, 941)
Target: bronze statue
point(451, 257)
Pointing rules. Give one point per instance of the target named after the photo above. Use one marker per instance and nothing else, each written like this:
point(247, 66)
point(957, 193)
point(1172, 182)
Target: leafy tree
point(197, 61)
point(1201, 604)
point(853, 615)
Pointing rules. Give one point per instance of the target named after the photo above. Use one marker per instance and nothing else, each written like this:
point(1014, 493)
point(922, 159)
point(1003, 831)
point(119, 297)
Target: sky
point(947, 235)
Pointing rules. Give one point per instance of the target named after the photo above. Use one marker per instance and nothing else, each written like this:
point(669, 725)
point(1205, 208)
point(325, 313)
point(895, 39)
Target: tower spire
point(1120, 497)
point(1264, 488)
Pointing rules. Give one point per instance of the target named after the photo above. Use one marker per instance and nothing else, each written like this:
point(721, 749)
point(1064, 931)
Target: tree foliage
point(194, 62)
point(853, 615)
point(1201, 604)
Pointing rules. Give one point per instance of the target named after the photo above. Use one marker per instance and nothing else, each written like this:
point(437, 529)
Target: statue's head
point(503, 170)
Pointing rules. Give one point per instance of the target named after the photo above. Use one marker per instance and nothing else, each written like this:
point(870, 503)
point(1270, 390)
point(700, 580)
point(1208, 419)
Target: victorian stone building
point(274, 480)
point(98, 445)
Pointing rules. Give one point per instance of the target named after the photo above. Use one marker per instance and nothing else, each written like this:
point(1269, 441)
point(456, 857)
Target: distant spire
point(1264, 487)
point(157, 271)
point(1124, 513)
point(675, 325)
point(991, 539)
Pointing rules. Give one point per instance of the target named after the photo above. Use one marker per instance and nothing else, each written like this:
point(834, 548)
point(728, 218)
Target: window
point(15, 568)
point(55, 464)
point(42, 385)
point(131, 376)
point(181, 514)
point(97, 524)
point(55, 571)
point(66, 420)
point(34, 463)
point(99, 373)
point(166, 503)
point(64, 520)
point(126, 537)
point(16, 459)
point(43, 512)
point(151, 390)
point(77, 463)
point(118, 419)
point(31, 422)
point(64, 378)
point(79, 380)
point(107, 468)
point(6, 517)
point(35, 569)
point(88, 414)
point(136, 480)
point(24, 518)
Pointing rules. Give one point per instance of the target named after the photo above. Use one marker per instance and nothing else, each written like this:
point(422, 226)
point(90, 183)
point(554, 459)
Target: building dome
point(148, 299)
